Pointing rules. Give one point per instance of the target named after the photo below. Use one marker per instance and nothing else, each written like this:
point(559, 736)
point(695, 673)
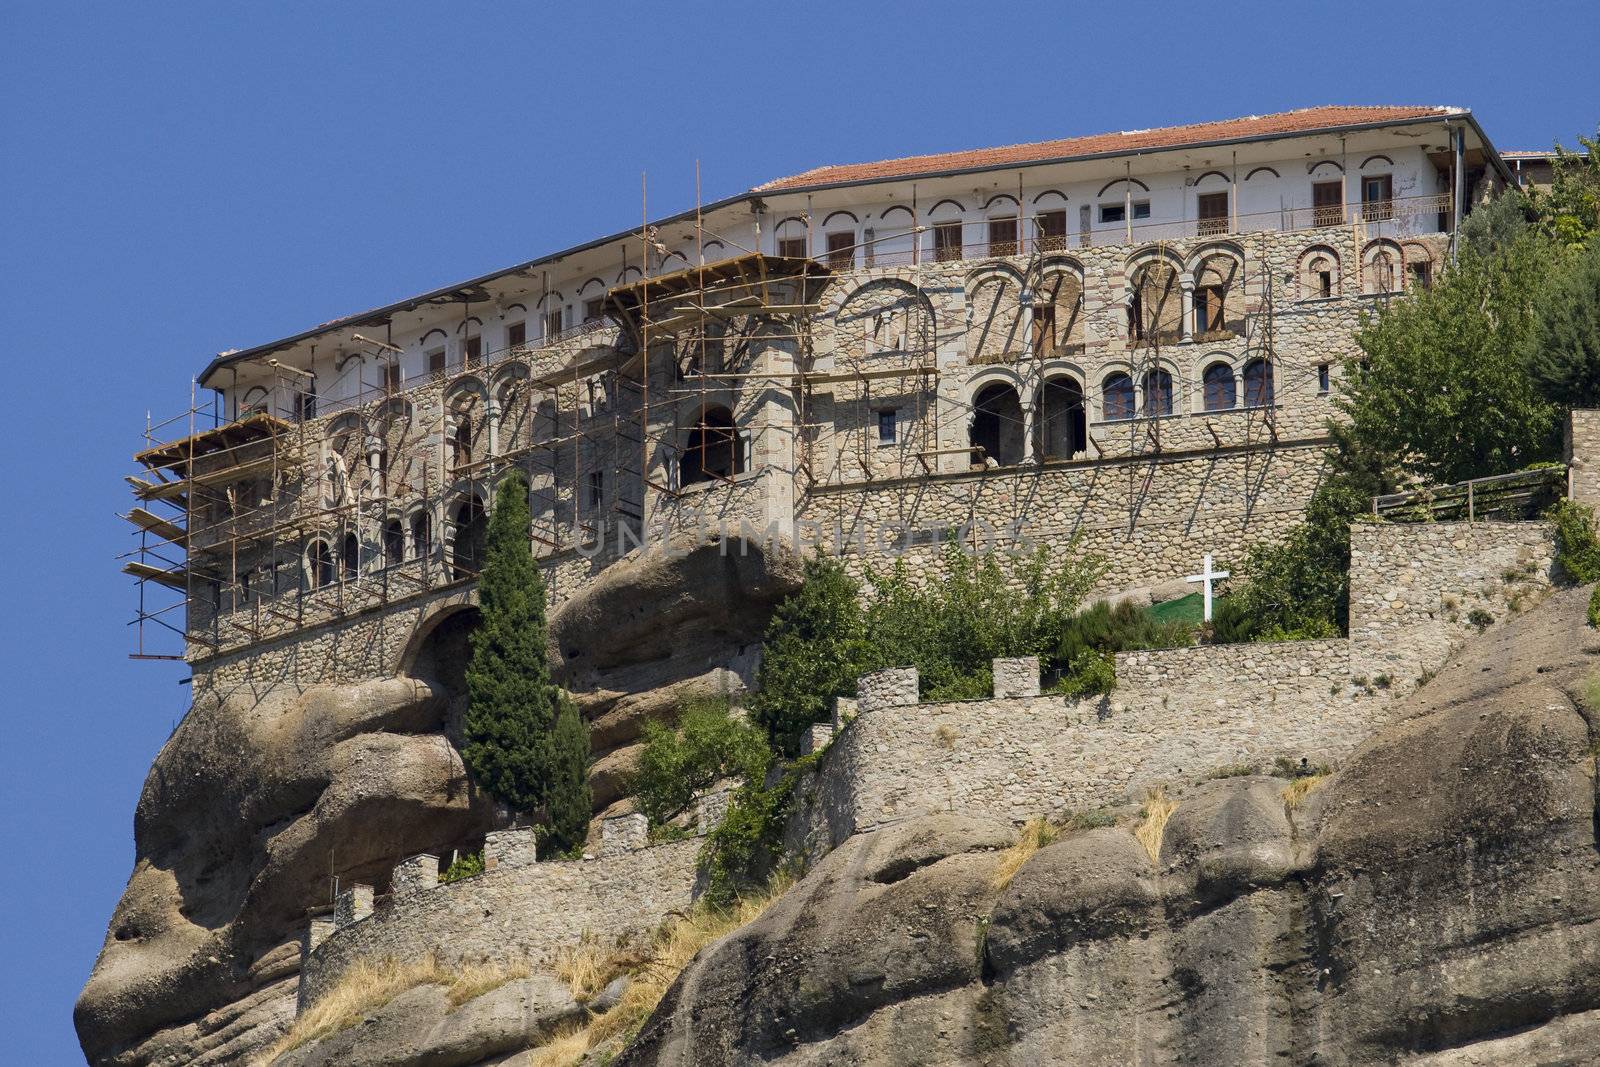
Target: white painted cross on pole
point(1206, 577)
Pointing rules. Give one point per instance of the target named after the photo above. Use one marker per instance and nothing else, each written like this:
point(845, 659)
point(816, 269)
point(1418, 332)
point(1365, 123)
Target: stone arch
point(1158, 385)
point(1219, 388)
point(316, 563)
point(1062, 425)
point(1118, 398)
point(1318, 273)
point(392, 541)
point(889, 316)
point(1382, 267)
point(1057, 323)
point(465, 402)
point(1419, 265)
point(996, 424)
point(994, 315)
point(1258, 384)
point(712, 449)
point(438, 650)
point(510, 416)
point(1154, 297)
point(419, 533)
point(469, 526)
point(1217, 274)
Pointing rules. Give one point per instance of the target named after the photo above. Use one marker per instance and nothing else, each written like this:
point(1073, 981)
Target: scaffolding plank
point(174, 578)
point(148, 520)
point(147, 490)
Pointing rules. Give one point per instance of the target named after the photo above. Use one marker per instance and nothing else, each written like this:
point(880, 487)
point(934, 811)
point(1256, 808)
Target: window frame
point(888, 418)
point(947, 249)
point(1000, 245)
point(840, 255)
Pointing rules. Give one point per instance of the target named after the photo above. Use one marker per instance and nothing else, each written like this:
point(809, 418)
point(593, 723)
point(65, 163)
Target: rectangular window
point(1208, 308)
point(1141, 209)
point(516, 335)
point(1052, 230)
point(886, 425)
point(592, 308)
point(1044, 329)
point(1325, 283)
point(436, 361)
point(391, 377)
point(1113, 212)
point(1323, 382)
point(305, 406)
point(841, 250)
point(1421, 274)
point(1213, 213)
point(947, 241)
point(1327, 204)
point(597, 488)
point(1377, 197)
point(1003, 236)
point(471, 351)
point(552, 323)
point(792, 247)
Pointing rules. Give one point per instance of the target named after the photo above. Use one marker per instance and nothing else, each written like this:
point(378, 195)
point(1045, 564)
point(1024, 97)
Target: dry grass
point(1295, 793)
point(946, 736)
point(1036, 834)
point(650, 973)
point(368, 986)
point(1157, 810)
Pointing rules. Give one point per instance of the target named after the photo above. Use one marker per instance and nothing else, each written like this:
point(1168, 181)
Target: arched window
point(1215, 302)
point(997, 425)
point(1258, 384)
point(421, 535)
point(350, 557)
point(1157, 393)
point(319, 564)
point(461, 441)
point(394, 543)
point(1116, 397)
point(1063, 429)
point(713, 448)
point(1155, 304)
point(471, 524)
point(1319, 274)
point(1221, 391)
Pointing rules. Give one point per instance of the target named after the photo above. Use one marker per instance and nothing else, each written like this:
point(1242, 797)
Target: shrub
point(1594, 607)
point(462, 867)
point(1085, 644)
point(1480, 619)
point(707, 745)
point(1577, 548)
point(815, 648)
point(745, 849)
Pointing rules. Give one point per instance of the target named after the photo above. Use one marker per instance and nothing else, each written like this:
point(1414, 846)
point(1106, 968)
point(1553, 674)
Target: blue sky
point(183, 178)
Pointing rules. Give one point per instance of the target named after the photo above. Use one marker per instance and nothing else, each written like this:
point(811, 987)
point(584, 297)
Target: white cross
point(1206, 577)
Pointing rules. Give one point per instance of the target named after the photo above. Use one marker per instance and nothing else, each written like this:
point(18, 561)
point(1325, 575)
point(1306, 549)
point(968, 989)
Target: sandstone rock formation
point(1435, 901)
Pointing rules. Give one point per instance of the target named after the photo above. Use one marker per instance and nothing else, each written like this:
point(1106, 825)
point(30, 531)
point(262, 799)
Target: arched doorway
point(441, 652)
point(470, 523)
point(1063, 427)
point(997, 425)
point(712, 450)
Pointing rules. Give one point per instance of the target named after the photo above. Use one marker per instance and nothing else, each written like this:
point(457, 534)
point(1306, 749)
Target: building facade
point(1129, 342)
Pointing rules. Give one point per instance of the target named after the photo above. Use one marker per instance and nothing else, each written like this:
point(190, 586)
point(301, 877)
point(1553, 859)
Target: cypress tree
point(568, 798)
point(512, 704)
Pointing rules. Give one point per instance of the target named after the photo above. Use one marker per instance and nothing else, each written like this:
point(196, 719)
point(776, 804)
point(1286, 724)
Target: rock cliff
point(1436, 901)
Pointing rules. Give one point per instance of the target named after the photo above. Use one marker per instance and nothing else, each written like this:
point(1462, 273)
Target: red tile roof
point(1304, 120)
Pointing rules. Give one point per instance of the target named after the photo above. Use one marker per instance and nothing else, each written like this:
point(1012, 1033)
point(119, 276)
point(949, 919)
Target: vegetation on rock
point(1577, 548)
point(706, 746)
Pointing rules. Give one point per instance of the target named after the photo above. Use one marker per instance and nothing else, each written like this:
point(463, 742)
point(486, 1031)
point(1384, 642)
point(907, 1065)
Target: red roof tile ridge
point(1336, 114)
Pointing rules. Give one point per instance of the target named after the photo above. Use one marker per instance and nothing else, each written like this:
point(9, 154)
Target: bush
point(1577, 548)
point(1479, 619)
point(1594, 607)
point(463, 867)
point(815, 648)
point(707, 745)
point(1085, 644)
point(745, 849)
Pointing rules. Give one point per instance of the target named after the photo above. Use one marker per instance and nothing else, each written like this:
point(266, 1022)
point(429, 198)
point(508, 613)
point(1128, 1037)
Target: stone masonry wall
point(1582, 447)
point(514, 913)
point(1415, 589)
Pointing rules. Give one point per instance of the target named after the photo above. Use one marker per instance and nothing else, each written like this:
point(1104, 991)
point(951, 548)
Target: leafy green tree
point(1569, 213)
point(707, 745)
point(511, 703)
point(1563, 346)
point(814, 649)
point(1442, 385)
